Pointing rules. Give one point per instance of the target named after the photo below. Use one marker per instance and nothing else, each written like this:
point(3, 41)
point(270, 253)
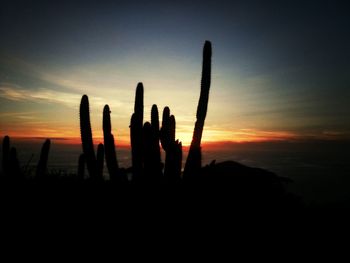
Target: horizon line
point(123, 143)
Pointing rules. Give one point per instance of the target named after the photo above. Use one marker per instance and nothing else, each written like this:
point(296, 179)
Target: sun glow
point(122, 137)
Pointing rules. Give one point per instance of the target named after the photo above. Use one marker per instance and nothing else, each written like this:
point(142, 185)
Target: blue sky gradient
point(280, 68)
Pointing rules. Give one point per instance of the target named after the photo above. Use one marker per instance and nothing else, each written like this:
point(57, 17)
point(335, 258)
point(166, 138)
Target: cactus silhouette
point(194, 158)
point(5, 155)
point(111, 157)
point(172, 148)
point(86, 137)
point(136, 134)
point(41, 169)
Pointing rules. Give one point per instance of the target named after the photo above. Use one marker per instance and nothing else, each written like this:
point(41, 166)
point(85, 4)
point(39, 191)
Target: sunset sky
point(280, 70)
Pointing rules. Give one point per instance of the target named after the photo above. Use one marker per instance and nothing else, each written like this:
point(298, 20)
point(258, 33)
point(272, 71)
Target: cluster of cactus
point(145, 145)
point(146, 138)
point(11, 168)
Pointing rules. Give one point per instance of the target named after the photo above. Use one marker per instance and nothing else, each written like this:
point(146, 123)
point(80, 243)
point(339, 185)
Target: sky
point(280, 69)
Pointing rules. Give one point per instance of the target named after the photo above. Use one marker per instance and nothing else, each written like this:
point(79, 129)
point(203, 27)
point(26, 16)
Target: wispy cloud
point(88, 79)
point(15, 93)
point(23, 115)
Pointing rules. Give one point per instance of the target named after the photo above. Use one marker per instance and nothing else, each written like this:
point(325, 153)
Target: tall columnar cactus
point(111, 157)
point(5, 155)
point(136, 134)
point(86, 137)
point(194, 159)
point(172, 148)
point(41, 168)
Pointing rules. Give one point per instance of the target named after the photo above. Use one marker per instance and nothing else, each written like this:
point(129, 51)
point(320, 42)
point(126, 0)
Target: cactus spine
point(86, 137)
point(194, 159)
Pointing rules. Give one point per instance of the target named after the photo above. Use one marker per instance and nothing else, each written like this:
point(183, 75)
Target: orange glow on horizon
point(210, 136)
